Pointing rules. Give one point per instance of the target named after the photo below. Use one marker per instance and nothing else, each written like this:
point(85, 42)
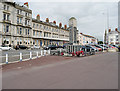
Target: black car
point(51, 47)
point(60, 46)
point(21, 47)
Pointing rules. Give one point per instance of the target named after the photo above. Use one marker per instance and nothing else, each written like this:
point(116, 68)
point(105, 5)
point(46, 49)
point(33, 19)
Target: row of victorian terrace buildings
point(18, 27)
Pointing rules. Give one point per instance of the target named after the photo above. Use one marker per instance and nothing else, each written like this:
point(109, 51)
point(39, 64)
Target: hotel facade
point(15, 24)
point(48, 33)
point(18, 27)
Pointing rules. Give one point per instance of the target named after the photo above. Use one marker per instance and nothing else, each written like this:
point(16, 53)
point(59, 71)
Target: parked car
point(101, 47)
point(35, 47)
point(98, 48)
point(52, 47)
point(5, 48)
point(88, 49)
point(111, 46)
point(93, 48)
point(60, 46)
point(21, 47)
point(116, 46)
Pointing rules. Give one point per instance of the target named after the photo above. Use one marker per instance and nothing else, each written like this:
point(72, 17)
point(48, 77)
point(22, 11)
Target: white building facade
point(114, 37)
point(15, 24)
point(86, 39)
point(48, 33)
point(18, 27)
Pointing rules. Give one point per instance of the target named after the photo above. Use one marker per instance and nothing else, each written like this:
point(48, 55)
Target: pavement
point(51, 72)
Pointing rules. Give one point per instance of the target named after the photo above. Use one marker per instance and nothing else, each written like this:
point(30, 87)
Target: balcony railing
point(7, 33)
point(7, 21)
point(21, 24)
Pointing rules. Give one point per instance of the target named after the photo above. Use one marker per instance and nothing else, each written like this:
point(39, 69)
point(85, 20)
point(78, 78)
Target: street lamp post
point(107, 17)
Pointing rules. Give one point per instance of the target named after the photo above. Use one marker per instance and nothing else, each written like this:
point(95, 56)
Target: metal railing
point(21, 56)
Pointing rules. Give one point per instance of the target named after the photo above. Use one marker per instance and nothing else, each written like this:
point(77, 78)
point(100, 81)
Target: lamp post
point(107, 21)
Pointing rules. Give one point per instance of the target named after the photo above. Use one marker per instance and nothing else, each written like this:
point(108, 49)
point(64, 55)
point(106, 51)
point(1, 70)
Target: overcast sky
point(91, 16)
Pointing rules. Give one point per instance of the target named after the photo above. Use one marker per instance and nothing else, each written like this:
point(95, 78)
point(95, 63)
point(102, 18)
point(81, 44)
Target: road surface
point(92, 72)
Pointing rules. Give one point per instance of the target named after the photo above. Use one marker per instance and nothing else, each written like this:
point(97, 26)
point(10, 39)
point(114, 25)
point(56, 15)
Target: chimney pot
point(60, 25)
point(47, 19)
point(65, 26)
point(54, 22)
point(38, 17)
point(109, 30)
point(116, 29)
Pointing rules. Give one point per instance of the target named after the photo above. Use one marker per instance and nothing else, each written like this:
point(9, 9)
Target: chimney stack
point(60, 25)
point(54, 22)
point(116, 29)
point(47, 19)
point(38, 17)
point(65, 26)
point(109, 30)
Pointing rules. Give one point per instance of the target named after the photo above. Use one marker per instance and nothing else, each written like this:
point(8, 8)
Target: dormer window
point(19, 11)
point(4, 7)
point(7, 7)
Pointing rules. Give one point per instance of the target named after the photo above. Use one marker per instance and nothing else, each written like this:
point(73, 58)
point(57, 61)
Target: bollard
point(44, 52)
point(41, 53)
point(20, 56)
point(37, 54)
point(60, 50)
point(49, 51)
point(6, 58)
point(85, 50)
point(30, 55)
point(90, 49)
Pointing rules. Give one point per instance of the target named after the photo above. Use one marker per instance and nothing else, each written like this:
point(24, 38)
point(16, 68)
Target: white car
point(35, 47)
point(5, 48)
